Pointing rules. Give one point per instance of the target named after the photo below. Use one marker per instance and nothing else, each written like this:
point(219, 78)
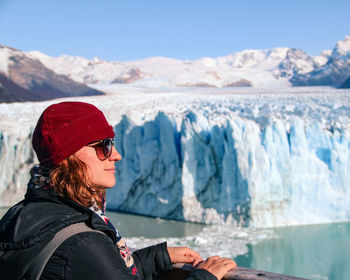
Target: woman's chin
point(109, 185)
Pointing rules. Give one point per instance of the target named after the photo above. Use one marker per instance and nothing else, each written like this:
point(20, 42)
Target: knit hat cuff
point(99, 134)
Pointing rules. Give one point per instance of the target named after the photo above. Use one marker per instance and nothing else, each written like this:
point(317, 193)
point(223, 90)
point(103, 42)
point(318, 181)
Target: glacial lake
point(313, 251)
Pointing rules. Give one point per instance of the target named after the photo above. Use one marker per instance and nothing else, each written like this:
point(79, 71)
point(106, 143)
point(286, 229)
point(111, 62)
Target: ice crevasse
point(233, 171)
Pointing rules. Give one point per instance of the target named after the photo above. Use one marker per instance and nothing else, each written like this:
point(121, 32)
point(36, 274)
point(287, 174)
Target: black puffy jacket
point(29, 225)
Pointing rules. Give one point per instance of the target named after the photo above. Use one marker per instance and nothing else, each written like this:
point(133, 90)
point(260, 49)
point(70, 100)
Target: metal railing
point(180, 271)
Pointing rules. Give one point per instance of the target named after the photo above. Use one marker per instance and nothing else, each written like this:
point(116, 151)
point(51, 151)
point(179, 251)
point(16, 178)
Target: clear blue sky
point(184, 29)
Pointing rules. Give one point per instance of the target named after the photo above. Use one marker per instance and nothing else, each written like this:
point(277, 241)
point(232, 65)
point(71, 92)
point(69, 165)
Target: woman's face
point(100, 172)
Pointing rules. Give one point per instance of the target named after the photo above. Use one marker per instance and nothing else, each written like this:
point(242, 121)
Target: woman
point(74, 144)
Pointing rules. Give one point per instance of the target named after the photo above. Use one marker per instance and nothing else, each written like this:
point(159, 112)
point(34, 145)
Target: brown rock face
point(32, 75)
point(130, 75)
point(214, 74)
point(201, 84)
point(11, 92)
point(240, 83)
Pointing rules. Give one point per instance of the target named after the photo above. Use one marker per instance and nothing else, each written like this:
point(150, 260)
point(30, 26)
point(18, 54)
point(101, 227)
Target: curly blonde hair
point(69, 179)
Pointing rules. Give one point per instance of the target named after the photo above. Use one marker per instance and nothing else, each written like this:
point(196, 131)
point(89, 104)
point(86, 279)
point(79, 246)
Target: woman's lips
point(112, 170)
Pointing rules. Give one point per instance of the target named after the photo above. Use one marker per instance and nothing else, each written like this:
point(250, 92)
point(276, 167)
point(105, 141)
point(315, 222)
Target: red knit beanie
point(66, 127)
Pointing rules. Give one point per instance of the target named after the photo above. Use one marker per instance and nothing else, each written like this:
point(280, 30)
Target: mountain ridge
point(333, 73)
point(281, 66)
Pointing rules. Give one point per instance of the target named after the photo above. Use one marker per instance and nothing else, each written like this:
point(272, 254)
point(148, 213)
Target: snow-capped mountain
point(51, 77)
point(333, 73)
point(245, 68)
point(24, 78)
point(270, 67)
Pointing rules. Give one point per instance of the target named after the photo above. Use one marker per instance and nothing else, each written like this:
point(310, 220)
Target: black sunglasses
point(103, 148)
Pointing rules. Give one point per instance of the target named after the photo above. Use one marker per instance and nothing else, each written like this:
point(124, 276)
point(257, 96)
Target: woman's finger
point(197, 261)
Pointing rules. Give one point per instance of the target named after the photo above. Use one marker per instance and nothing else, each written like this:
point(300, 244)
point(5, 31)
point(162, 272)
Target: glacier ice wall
point(16, 157)
point(149, 175)
point(233, 172)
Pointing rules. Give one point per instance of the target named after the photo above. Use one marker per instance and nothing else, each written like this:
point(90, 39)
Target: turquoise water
point(135, 226)
point(315, 252)
point(312, 252)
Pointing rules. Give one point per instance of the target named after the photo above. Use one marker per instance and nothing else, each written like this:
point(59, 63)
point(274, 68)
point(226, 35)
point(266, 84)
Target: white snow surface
point(246, 157)
point(322, 58)
point(342, 48)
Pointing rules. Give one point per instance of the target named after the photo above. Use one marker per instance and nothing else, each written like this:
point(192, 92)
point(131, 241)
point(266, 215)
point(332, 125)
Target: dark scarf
point(40, 179)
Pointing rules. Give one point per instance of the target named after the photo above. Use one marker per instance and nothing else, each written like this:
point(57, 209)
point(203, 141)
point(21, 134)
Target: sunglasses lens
point(104, 148)
point(99, 152)
point(107, 147)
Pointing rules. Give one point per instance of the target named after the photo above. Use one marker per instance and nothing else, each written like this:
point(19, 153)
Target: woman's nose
point(115, 155)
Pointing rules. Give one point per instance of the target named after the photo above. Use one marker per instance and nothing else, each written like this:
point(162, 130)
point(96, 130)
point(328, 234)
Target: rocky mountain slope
point(346, 84)
point(24, 78)
point(11, 92)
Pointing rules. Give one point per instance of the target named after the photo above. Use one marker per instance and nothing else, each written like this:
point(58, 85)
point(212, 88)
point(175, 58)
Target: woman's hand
point(184, 255)
point(217, 266)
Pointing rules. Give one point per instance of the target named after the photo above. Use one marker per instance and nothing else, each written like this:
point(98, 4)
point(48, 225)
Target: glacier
point(235, 172)
point(248, 158)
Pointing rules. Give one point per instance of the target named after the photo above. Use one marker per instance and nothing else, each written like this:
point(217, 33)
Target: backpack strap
point(39, 262)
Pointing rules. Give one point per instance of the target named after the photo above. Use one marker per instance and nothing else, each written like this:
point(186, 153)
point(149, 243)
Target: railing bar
point(244, 273)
